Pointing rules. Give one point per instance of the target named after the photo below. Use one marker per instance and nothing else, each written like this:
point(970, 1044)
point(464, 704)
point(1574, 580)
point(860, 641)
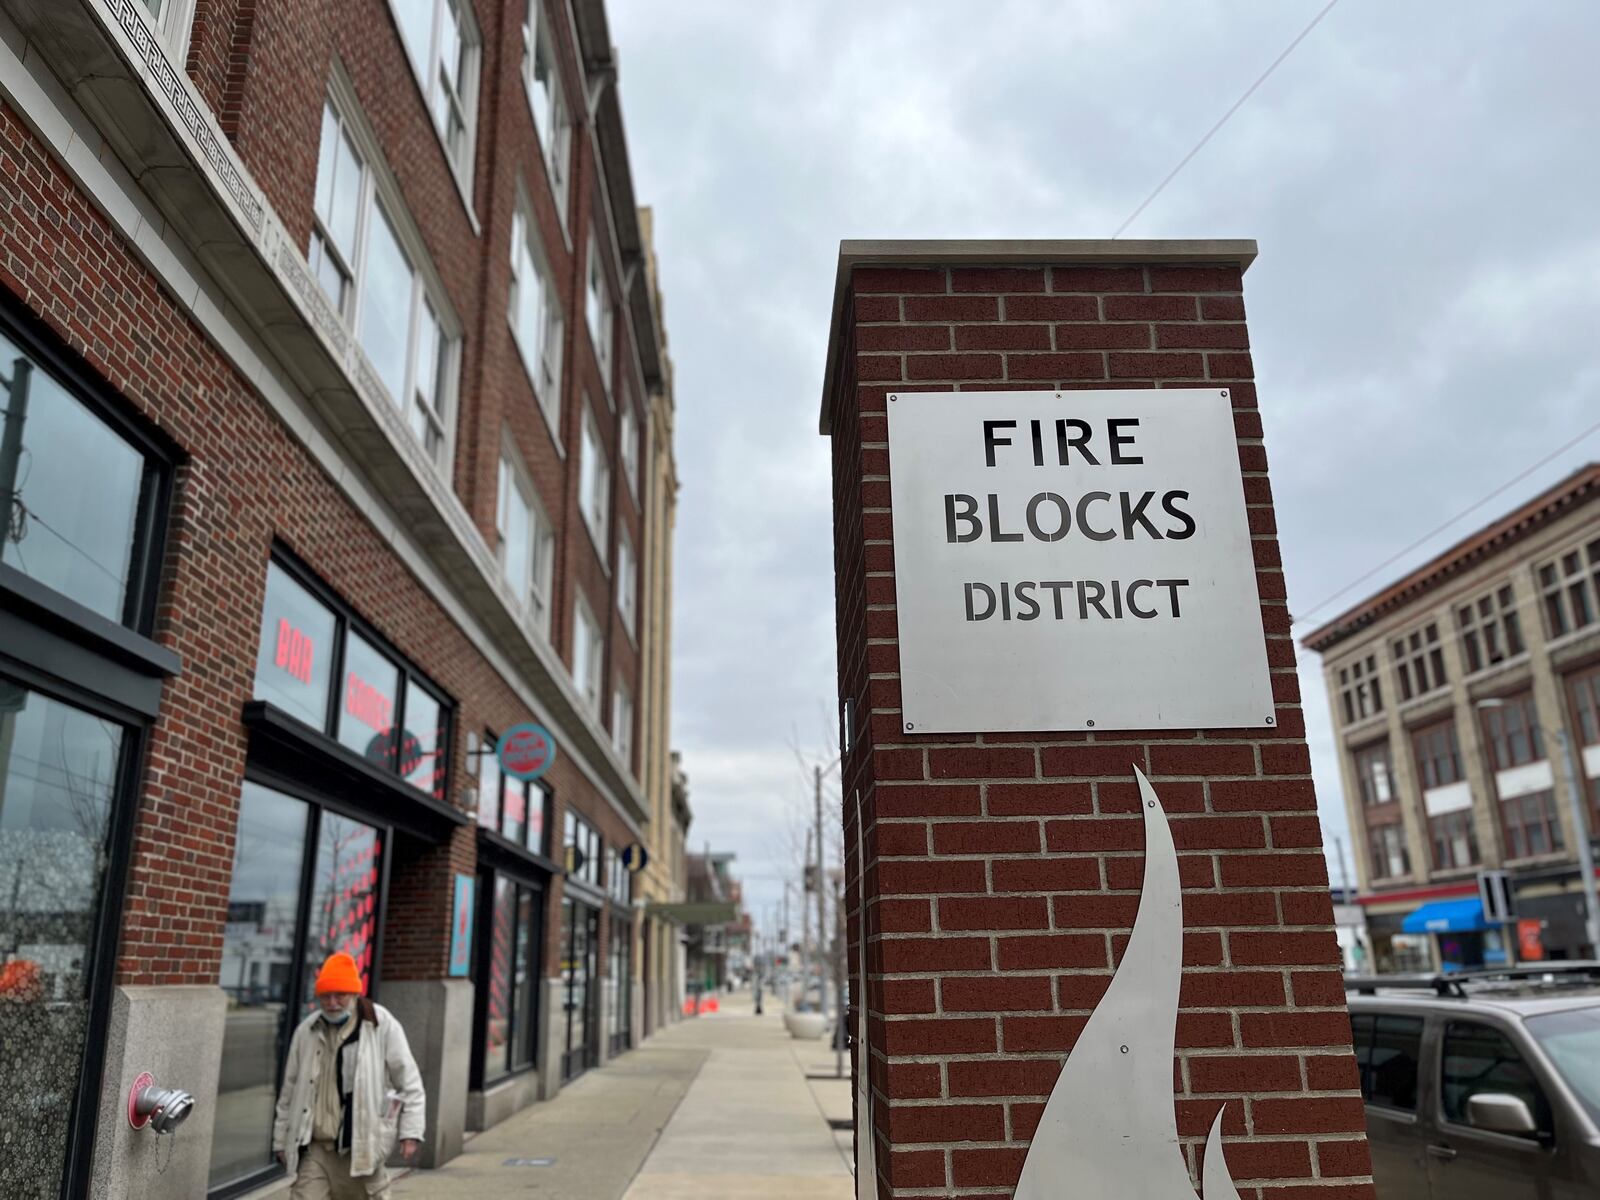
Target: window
point(1570, 586)
point(442, 44)
point(582, 849)
point(1387, 1051)
point(622, 725)
point(547, 100)
point(509, 1019)
point(580, 949)
point(1513, 732)
point(1360, 690)
point(597, 308)
point(78, 500)
point(360, 257)
point(1531, 825)
point(1438, 755)
point(60, 768)
point(619, 982)
point(516, 809)
point(628, 435)
point(1419, 661)
point(594, 481)
point(1571, 1039)
point(627, 582)
point(1387, 844)
point(173, 20)
point(535, 315)
point(1477, 1059)
point(619, 880)
point(279, 931)
point(1491, 631)
point(588, 651)
point(386, 712)
point(1375, 774)
point(526, 544)
point(1455, 840)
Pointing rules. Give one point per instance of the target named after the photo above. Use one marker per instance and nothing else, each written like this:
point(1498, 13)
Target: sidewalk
point(714, 1108)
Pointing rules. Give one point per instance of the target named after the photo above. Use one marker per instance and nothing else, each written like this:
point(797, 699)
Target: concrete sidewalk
point(750, 1127)
point(714, 1108)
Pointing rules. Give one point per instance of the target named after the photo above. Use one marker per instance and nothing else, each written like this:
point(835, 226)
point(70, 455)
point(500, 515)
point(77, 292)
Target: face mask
point(338, 1018)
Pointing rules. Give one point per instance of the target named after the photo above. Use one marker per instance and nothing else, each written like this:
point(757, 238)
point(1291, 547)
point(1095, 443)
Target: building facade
point(1452, 691)
point(330, 374)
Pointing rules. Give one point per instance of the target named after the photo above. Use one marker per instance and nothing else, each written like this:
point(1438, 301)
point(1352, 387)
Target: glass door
point(579, 943)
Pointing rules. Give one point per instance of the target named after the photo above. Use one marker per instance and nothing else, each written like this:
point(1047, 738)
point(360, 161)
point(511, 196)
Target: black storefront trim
point(287, 748)
point(501, 852)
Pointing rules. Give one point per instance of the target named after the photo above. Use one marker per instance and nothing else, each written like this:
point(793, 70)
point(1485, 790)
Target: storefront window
point(385, 712)
point(514, 809)
point(369, 701)
point(579, 938)
point(619, 986)
point(258, 957)
point(77, 492)
point(280, 928)
point(296, 652)
point(58, 777)
point(497, 1022)
point(510, 1005)
point(344, 899)
point(583, 845)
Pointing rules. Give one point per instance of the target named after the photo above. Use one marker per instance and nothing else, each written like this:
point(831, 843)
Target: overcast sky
point(1421, 178)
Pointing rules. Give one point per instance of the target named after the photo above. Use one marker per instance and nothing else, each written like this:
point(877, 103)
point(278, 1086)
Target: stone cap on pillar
point(1009, 252)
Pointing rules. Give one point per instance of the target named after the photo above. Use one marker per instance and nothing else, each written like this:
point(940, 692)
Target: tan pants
point(325, 1175)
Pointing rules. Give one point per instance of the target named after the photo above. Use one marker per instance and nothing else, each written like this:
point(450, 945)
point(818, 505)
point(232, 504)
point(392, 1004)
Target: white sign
point(1074, 560)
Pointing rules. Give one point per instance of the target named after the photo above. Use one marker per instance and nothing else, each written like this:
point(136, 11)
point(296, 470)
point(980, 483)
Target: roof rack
point(1454, 983)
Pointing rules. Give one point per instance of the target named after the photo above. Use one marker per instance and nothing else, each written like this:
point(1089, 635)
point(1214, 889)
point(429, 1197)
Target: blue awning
point(1446, 916)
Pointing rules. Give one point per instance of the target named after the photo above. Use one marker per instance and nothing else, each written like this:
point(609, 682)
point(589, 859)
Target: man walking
point(349, 1089)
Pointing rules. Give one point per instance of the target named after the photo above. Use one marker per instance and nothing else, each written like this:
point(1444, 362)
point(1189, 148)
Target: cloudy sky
point(1421, 177)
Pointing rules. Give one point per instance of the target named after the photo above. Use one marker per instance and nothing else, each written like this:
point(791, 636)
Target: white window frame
point(174, 25)
point(541, 363)
point(599, 305)
point(594, 480)
point(622, 724)
point(627, 582)
point(555, 144)
point(628, 437)
point(464, 99)
point(588, 654)
point(378, 188)
point(535, 591)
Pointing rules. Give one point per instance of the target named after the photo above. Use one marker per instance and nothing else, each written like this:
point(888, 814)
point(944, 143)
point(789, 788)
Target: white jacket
point(383, 1064)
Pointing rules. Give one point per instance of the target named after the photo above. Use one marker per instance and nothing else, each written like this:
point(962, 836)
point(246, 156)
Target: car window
point(1396, 1047)
point(1478, 1058)
point(1572, 1040)
point(1361, 1037)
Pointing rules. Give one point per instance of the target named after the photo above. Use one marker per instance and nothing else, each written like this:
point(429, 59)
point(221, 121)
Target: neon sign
point(294, 651)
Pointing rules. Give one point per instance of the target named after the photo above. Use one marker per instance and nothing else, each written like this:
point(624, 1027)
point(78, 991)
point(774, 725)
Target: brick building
point(1003, 870)
point(1452, 691)
point(331, 369)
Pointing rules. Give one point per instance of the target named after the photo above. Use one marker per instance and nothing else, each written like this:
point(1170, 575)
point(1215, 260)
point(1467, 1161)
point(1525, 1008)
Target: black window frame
point(1364, 1028)
point(483, 922)
point(61, 649)
point(317, 803)
point(346, 621)
point(1543, 1113)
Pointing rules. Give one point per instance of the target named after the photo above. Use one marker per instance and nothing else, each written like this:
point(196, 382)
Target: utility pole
point(805, 929)
point(1580, 829)
point(840, 971)
point(822, 900)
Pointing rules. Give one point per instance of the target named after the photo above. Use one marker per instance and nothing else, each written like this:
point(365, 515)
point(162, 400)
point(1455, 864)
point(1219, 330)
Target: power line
point(1223, 120)
point(1438, 529)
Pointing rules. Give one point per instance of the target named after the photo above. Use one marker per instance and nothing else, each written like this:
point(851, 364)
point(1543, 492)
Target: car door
point(1388, 1051)
point(1474, 1164)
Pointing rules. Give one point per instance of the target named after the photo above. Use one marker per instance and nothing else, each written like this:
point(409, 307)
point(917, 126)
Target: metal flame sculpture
point(1110, 1127)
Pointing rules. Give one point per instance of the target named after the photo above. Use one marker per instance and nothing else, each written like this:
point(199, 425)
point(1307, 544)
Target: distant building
point(1446, 689)
point(714, 921)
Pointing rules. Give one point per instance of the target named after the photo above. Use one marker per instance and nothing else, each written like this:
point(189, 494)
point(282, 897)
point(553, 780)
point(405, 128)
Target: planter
point(806, 1026)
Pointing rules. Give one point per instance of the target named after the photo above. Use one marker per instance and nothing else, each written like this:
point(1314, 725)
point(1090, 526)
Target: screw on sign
point(526, 751)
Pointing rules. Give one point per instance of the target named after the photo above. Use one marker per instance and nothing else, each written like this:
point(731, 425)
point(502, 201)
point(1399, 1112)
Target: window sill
point(1432, 695)
point(1364, 725)
point(1504, 666)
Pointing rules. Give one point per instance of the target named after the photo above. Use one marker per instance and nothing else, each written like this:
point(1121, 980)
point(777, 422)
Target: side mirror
point(1500, 1113)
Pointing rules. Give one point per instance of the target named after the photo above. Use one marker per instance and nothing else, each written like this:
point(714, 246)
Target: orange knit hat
point(339, 974)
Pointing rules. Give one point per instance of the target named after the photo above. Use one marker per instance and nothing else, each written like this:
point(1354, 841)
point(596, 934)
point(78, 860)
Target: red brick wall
point(987, 953)
point(245, 482)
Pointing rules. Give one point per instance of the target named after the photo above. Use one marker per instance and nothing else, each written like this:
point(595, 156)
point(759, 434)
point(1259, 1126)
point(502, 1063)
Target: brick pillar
point(1003, 870)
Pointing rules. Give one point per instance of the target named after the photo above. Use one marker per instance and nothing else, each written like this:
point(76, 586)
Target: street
point(718, 1106)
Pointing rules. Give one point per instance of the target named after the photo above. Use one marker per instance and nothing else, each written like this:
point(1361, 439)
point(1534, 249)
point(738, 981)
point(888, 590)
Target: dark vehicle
point(1482, 1085)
